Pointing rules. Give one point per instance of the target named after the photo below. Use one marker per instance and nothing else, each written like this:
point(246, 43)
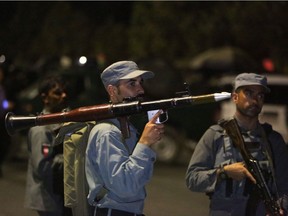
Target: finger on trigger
point(250, 176)
point(154, 118)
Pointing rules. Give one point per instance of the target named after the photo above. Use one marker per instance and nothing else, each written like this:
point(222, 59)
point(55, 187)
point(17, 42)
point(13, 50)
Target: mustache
point(140, 97)
point(254, 106)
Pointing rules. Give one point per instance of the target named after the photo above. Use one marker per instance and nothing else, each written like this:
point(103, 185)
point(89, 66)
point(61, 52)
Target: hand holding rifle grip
point(233, 131)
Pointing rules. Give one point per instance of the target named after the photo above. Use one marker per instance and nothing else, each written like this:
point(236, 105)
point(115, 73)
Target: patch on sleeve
point(46, 149)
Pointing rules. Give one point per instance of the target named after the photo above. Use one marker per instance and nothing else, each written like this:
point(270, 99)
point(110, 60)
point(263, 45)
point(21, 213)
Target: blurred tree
point(25, 26)
point(176, 30)
point(162, 32)
point(64, 32)
point(171, 30)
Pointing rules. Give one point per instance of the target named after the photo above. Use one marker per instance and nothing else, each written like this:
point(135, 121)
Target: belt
point(114, 212)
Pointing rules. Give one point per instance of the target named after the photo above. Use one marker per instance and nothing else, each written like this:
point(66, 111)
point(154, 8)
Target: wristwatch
point(222, 174)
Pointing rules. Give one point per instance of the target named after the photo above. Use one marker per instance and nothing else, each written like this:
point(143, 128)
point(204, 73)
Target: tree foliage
point(149, 29)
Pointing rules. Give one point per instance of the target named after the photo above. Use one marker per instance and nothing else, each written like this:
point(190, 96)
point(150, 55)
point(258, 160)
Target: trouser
point(45, 213)
point(113, 212)
point(65, 212)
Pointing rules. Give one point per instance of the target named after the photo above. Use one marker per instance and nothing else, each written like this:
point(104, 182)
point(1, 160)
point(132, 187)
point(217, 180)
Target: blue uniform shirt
point(215, 149)
point(121, 167)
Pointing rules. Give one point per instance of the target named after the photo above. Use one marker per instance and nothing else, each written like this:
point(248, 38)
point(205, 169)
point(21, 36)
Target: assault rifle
point(233, 131)
point(106, 111)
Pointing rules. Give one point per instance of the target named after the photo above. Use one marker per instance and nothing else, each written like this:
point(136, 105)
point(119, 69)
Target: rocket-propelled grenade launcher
point(106, 111)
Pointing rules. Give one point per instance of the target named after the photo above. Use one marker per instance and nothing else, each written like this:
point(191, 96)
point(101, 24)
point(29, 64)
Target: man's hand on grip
point(152, 132)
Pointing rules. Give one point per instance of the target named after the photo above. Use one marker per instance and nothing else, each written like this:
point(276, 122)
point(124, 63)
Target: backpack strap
point(68, 128)
point(229, 153)
point(119, 127)
point(228, 149)
point(103, 191)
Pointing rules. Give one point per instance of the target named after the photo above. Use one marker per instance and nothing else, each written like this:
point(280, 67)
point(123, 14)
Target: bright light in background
point(82, 60)
point(2, 58)
point(5, 104)
point(268, 64)
point(65, 61)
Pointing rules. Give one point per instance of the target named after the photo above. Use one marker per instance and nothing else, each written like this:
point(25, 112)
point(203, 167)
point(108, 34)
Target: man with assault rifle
point(241, 164)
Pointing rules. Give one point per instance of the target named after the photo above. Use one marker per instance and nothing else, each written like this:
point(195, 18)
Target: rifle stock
point(233, 130)
point(106, 111)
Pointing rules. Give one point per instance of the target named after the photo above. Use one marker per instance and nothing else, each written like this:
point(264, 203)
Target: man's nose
point(140, 89)
point(255, 99)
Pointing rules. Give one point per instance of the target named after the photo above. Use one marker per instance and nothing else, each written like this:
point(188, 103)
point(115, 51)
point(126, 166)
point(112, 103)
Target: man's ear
point(44, 98)
point(111, 90)
point(234, 96)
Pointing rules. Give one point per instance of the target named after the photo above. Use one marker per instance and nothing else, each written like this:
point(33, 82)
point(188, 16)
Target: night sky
point(94, 10)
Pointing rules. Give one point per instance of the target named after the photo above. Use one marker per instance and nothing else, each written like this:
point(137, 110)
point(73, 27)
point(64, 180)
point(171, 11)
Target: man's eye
point(248, 93)
point(58, 92)
point(132, 84)
point(261, 96)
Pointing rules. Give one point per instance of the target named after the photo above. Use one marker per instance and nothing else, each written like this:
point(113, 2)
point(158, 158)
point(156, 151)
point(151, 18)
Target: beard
point(139, 97)
point(59, 107)
point(250, 111)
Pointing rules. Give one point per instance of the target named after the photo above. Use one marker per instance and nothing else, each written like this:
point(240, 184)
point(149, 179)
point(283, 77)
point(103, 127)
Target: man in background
point(40, 191)
point(217, 166)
